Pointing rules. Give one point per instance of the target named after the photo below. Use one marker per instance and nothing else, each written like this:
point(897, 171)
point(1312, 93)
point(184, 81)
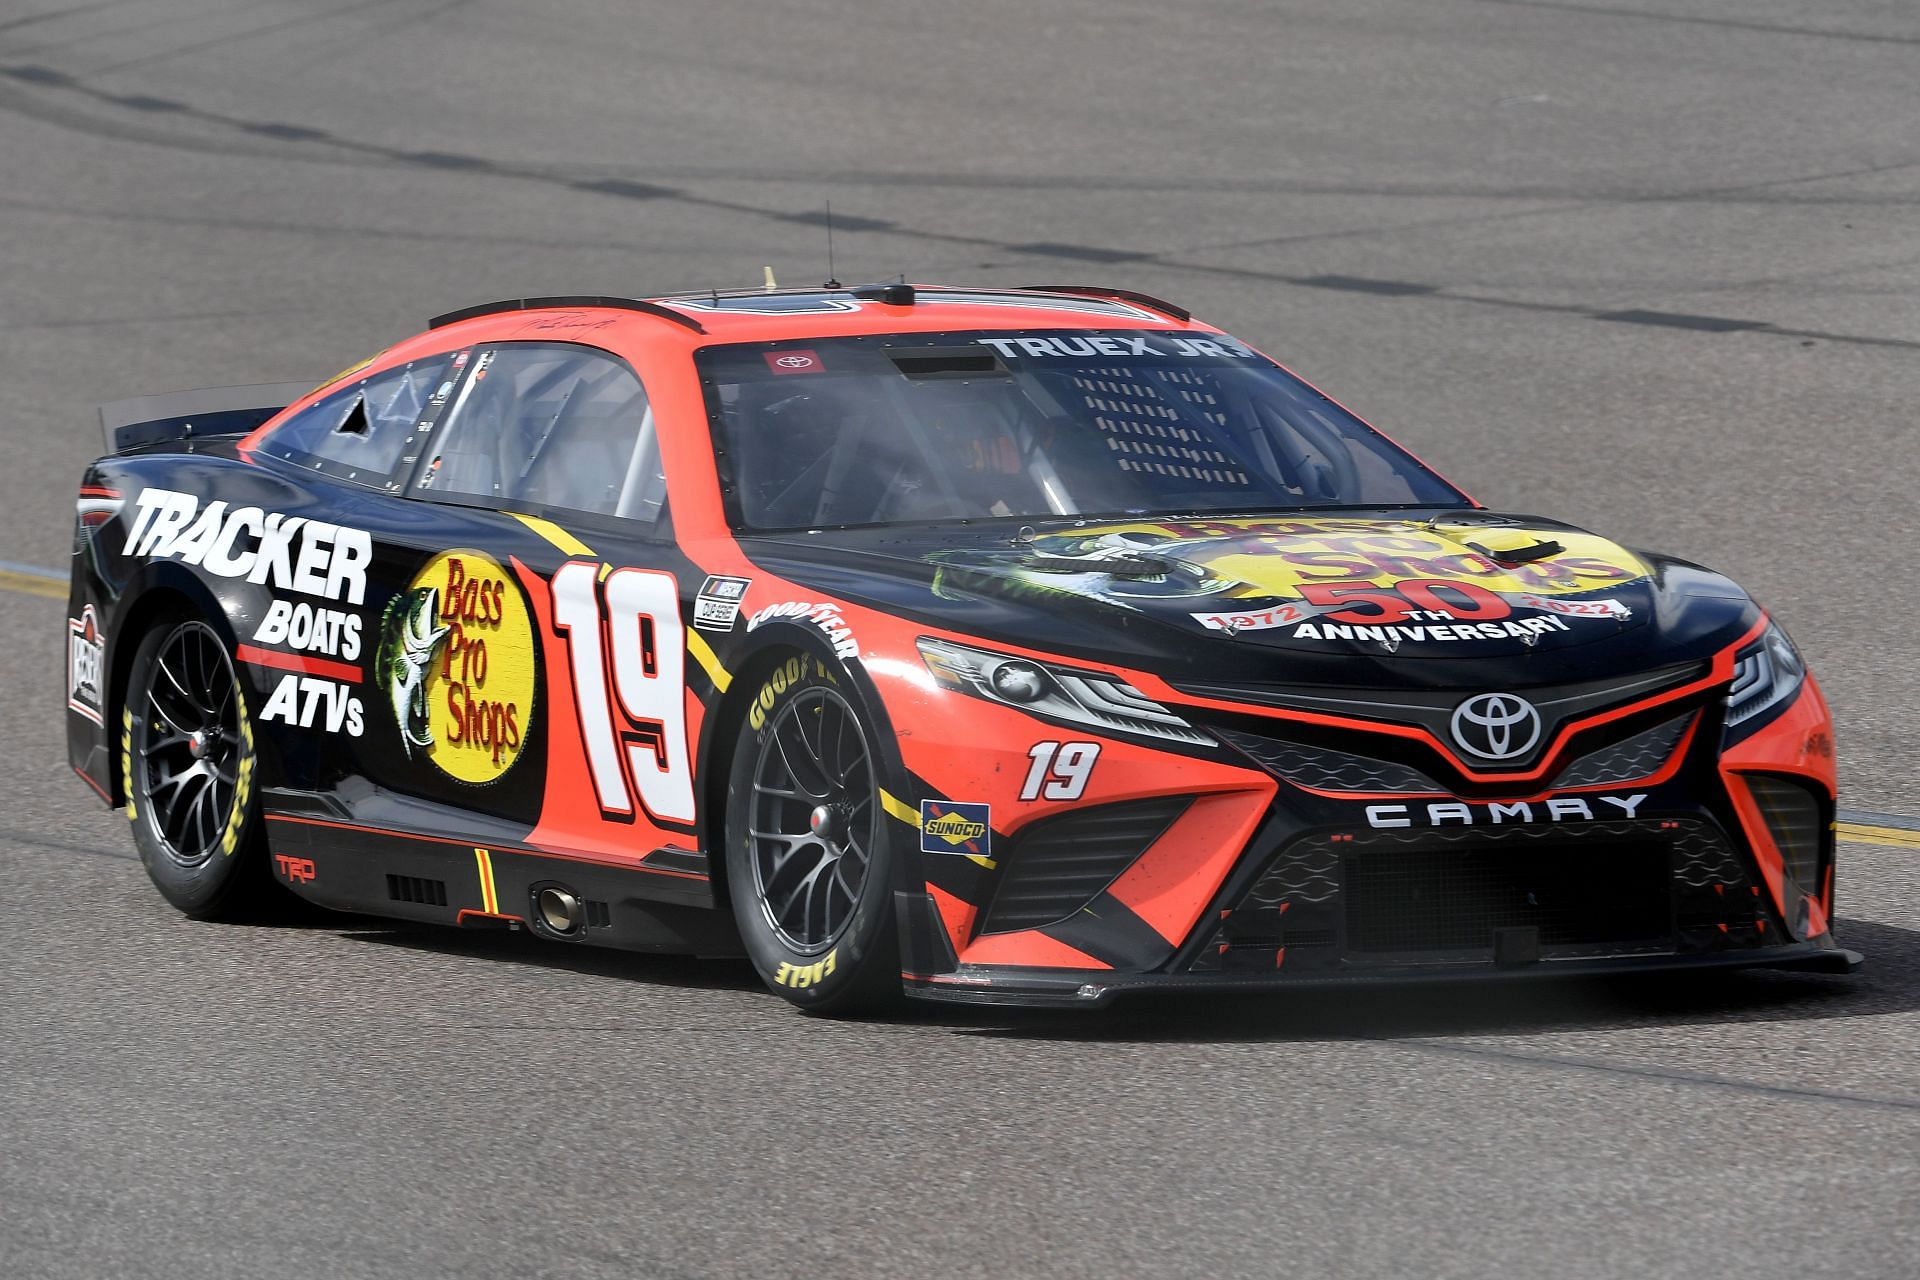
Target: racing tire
point(807, 860)
point(189, 763)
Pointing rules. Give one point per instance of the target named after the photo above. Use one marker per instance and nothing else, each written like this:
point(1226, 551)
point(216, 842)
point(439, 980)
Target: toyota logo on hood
point(1496, 726)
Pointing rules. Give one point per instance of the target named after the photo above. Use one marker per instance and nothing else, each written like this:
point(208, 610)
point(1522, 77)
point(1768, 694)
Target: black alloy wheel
point(188, 758)
point(806, 854)
point(812, 819)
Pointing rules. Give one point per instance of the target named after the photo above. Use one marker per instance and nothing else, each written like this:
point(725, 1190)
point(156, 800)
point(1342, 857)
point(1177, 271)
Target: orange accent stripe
point(468, 844)
point(327, 667)
point(465, 914)
point(90, 782)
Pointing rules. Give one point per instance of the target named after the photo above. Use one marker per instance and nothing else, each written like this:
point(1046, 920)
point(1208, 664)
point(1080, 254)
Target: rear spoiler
point(180, 415)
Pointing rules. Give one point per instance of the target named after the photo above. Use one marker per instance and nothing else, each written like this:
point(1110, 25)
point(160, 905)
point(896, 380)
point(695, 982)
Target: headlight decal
point(1767, 673)
point(1097, 701)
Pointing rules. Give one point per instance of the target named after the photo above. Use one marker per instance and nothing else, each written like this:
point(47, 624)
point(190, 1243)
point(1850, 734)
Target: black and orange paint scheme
point(1272, 786)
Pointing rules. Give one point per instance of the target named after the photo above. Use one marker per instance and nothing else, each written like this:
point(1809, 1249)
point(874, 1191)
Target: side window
point(553, 426)
point(363, 433)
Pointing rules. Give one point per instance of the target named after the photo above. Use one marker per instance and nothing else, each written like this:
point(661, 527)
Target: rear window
point(912, 428)
point(365, 432)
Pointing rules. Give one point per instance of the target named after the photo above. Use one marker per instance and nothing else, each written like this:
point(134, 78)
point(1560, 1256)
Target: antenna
point(832, 281)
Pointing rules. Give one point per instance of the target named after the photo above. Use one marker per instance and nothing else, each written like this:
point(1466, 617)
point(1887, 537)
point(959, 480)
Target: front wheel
point(806, 851)
point(188, 760)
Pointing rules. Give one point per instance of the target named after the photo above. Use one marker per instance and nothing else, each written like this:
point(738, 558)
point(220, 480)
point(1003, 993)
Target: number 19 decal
point(634, 724)
point(1059, 772)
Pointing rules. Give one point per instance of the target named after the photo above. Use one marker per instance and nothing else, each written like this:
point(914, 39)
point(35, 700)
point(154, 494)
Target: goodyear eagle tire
point(188, 761)
point(806, 853)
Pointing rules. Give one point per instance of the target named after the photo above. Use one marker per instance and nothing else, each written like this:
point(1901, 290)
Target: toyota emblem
point(794, 362)
point(1496, 726)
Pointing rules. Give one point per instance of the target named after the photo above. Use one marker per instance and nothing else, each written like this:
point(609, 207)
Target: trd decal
point(301, 869)
point(1559, 809)
point(456, 663)
point(632, 708)
point(956, 827)
point(717, 607)
point(1059, 772)
point(288, 553)
point(85, 648)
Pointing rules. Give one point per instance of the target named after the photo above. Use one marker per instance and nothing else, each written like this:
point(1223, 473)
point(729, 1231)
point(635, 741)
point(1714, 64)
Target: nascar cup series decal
point(456, 666)
point(1391, 582)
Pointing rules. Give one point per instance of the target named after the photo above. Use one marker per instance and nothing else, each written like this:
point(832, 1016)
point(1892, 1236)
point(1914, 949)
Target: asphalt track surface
point(1652, 265)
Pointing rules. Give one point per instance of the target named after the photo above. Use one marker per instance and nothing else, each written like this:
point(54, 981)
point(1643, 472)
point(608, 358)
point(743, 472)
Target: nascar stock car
point(1026, 645)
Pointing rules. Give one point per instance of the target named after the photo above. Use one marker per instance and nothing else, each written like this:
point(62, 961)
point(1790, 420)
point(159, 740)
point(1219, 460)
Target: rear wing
point(181, 415)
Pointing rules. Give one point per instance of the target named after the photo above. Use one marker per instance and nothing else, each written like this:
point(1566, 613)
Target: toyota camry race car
point(1004, 646)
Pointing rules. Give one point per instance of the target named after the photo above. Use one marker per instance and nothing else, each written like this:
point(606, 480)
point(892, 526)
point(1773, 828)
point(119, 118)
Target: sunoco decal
point(456, 666)
point(85, 648)
point(950, 826)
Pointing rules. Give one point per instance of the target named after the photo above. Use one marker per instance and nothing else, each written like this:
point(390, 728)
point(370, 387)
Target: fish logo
point(411, 638)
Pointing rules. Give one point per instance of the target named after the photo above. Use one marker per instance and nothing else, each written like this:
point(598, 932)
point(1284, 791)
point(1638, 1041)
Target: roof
point(774, 314)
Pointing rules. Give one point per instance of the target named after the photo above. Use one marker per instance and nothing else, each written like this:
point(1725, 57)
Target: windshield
point(912, 428)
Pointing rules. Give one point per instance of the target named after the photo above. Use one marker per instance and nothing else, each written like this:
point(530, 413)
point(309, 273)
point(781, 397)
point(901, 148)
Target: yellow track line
point(1861, 833)
point(28, 584)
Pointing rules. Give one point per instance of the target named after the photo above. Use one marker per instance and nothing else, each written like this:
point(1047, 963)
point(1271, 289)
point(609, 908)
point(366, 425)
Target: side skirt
point(435, 880)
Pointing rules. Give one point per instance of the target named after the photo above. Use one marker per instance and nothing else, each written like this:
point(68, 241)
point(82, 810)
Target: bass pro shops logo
point(456, 661)
point(1496, 726)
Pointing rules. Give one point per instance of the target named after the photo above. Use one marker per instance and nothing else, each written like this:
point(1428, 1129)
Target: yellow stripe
point(709, 660)
point(555, 534)
point(489, 901)
point(893, 806)
point(31, 585)
point(984, 861)
point(1860, 833)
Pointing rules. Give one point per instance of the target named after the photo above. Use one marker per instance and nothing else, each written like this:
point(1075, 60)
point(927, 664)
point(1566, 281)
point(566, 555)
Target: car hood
point(1338, 592)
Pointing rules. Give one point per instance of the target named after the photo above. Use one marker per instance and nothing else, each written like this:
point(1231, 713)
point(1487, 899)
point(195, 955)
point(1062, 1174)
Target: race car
point(989, 645)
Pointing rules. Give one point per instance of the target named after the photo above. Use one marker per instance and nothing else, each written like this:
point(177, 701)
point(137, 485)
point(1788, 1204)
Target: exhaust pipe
point(560, 910)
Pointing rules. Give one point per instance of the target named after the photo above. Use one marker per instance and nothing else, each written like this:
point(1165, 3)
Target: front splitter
point(1092, 988)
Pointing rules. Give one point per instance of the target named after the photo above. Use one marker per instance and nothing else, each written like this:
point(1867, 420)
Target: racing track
point(1648, 264)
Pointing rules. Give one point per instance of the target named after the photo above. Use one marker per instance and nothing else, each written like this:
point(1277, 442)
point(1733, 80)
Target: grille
point(1327, 770)
point(1792, 814)
point(1631, 758)
point(431, 893)
point(1339, 901)
point(1058, 865)
point(1415, 900)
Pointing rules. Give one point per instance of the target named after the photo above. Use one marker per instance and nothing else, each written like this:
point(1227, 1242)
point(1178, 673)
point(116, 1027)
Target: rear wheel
point(806, 852)
point(188, 756)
